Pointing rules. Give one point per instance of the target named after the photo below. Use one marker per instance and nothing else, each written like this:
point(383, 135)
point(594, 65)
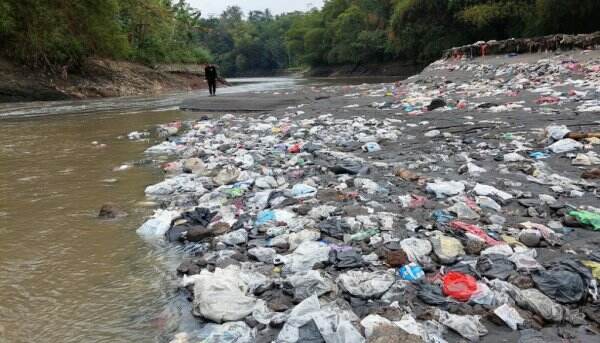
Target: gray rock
point(530, 237)
point(111, 211)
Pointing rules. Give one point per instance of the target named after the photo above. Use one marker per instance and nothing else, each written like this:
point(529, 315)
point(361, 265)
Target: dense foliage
point(362, 31)
point(255, 43)
point(58, 33)
point(51, 33)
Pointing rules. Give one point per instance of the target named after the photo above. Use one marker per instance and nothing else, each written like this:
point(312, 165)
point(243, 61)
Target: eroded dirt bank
point(97, 78)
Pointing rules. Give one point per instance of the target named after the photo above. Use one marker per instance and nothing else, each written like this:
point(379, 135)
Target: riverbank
point(98, 78)
point(452, 205)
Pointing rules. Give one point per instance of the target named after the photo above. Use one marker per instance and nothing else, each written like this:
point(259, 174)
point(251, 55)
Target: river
point(65, 275)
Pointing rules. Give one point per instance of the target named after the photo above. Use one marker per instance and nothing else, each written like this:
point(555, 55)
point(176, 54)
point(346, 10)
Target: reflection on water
point(66, 276)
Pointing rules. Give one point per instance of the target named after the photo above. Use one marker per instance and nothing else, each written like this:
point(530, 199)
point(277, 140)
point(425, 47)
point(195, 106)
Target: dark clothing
point(212, 87)
point(210, 73)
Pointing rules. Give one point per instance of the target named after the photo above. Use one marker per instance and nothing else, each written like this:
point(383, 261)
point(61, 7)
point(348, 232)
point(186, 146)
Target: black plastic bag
point(346, 259)
point(561, 285)
point(495, 266)
point(335, 228)
point(431, 294)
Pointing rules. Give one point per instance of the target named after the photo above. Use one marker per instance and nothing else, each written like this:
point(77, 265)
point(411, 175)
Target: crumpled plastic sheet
point(366, 285)
point(222, 296)
point(495, 266)
point(432, 294)
point(304, 257)
point(346, 259)
point(232, 332)
point(510, 316)
point(475, 230)
point(443, 189)
point(467, 326)
point(566, 281)
point(416, 248)
point(332, 326)
point(157, 226)
point(297, 238)
point(183, 183)
point(305, 284)
point(535, 301)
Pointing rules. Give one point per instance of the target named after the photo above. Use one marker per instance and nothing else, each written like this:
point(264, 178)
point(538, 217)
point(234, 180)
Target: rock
point(496, 219)
point(199, 233)
point(111, 211)
point(192, 267)
point(530, 237)
point(474, 246)
point(251, 322)
point(521, 281)
point(533, 212)
point(392, 334)
point(487, 202)
point(569, 221)
point(227, 175)
point(277, 322)
point(267, 182)
point(433, 133)
point(194, 165)
point(591, 174)
point(396, 258)
point(303, 209)
point(436, 103)
point(447, 249)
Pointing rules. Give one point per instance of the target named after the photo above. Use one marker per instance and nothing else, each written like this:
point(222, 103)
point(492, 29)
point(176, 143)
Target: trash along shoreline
point(458, 205)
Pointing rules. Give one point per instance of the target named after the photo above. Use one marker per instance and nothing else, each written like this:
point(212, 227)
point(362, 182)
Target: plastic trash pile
point(368, 228)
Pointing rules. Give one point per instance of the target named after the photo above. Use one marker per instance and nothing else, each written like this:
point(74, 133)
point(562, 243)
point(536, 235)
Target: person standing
point(210, 73)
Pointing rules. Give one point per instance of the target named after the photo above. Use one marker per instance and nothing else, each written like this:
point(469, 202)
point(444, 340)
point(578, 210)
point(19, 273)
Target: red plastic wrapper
point(294, 149)
point(459, 286)
point(475, 230)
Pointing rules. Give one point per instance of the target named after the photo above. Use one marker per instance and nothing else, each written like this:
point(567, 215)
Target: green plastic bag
point(587, 218)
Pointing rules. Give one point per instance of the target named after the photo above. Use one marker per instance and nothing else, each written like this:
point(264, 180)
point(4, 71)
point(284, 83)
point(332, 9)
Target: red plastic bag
point(475, 230)
point(294, 149)
point(459, 286)
point(417, 201)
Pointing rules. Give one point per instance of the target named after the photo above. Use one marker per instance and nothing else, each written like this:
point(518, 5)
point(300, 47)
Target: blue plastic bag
point(538, 155)
point(411, 272)
point(442, 216)
point(265, 217)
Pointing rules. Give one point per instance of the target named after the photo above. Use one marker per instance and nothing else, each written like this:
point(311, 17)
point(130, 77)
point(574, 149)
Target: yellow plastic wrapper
point(594, 266)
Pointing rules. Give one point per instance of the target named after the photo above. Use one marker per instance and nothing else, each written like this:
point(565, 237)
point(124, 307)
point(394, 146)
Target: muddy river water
point(65, 275)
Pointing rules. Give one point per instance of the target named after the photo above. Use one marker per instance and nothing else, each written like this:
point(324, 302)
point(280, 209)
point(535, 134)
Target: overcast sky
point(215, 7)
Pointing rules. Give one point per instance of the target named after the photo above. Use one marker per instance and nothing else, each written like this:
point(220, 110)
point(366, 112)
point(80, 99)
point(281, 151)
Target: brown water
point(65, 275)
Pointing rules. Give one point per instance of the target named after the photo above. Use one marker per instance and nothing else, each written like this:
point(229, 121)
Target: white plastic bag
point(467, 326)
point(565, 145)
point(366, 285)
point(510, 316)
point(157, 226)
point(443, 189)
point(222, 296)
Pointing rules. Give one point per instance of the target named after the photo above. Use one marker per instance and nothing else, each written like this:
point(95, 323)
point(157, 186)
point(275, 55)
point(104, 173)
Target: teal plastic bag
point(587, 218)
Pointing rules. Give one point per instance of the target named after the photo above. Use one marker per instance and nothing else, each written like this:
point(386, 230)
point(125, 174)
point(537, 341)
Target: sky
point(215, 7)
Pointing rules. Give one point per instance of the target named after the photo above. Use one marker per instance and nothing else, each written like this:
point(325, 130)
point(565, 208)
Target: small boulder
point(530, 237)
point(474, 246)
point(396, 258)
point(111, 211)
point(447, 249)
